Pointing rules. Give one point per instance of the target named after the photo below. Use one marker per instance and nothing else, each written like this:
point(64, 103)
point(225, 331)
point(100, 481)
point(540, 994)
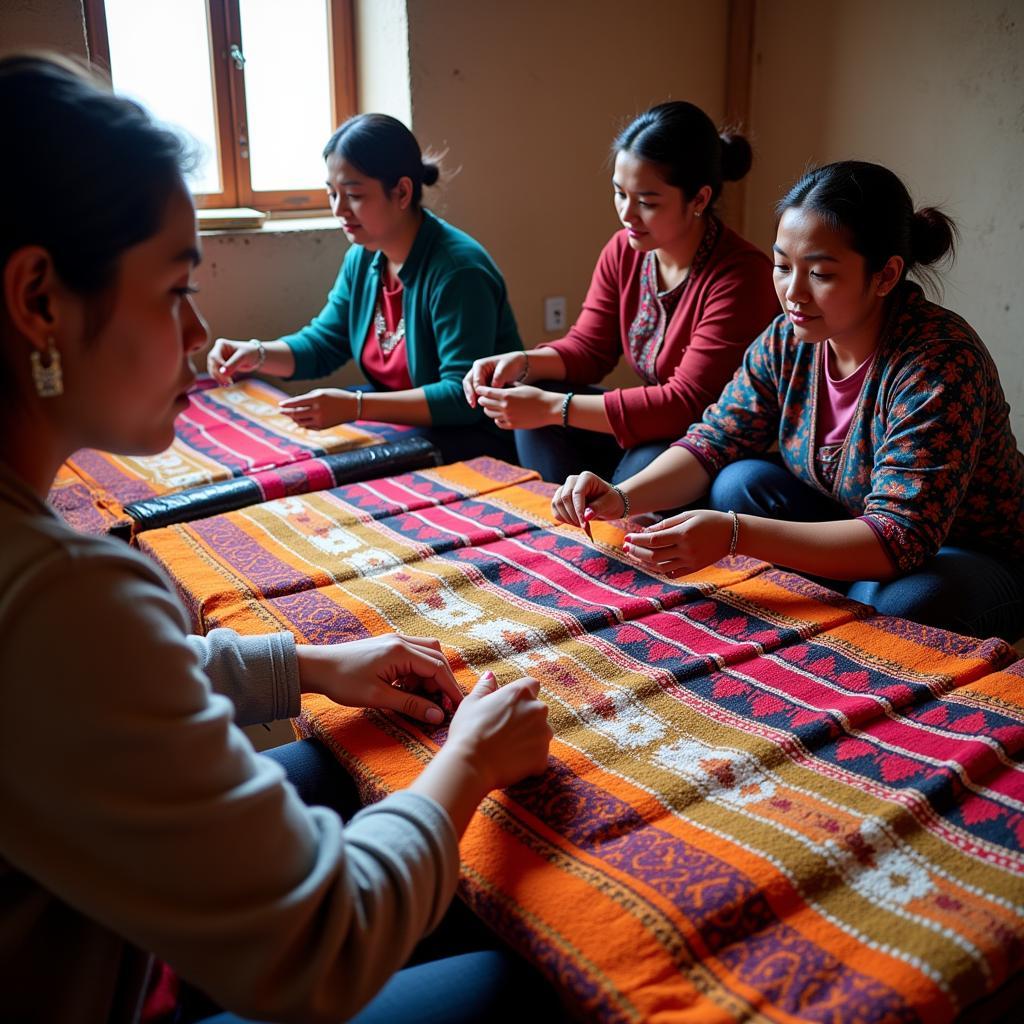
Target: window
point(258, 84)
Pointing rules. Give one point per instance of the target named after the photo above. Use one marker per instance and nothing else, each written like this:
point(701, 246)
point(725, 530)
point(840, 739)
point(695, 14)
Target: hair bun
point(737, 155)
point(431, 172)
point(932, 235)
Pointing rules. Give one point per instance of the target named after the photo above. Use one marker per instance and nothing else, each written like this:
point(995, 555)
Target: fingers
point(561, 505)
point(422, 657)
point(665, 524)
point(303, 410)
point(229, 367)
point(479, 376)
point(215, 363)
point(297, 400)
point(571, 502)
point(411, 704)
point(506, 371)
point(579, 497)
point(485, 686)
point(651, 541)
point(527, 686)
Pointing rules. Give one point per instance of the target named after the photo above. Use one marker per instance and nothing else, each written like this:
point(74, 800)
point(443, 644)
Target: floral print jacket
point(930, 457)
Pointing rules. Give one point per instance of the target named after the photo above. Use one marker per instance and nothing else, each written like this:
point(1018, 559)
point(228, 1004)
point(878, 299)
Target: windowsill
point(275, 225)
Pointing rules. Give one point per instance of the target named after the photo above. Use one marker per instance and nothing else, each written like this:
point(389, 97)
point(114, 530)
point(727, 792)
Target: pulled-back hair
point(873, 207)
point(381, 147)
point(87, 174)
point(687, 147)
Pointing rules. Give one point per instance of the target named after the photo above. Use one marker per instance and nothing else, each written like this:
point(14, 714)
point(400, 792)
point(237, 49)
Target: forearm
point(587, 412)
point(453, 782)
point(280, 360)
point(675, 478)
point(844, 550)
point(543, 364)
point(406, 407)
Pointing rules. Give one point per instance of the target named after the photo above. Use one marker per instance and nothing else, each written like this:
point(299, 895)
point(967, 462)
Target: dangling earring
point(49, 379)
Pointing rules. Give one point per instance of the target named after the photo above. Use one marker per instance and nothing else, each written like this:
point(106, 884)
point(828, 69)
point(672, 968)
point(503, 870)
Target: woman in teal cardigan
point(415, 303)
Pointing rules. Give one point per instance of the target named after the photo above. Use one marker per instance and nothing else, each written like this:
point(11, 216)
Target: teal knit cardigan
point(455, 306)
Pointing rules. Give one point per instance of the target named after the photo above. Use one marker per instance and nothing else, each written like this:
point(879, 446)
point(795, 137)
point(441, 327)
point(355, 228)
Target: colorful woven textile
point(763, 802)
point(224, 433)
point(375, 460)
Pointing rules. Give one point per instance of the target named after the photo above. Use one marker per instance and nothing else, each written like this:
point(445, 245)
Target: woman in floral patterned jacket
point(893, 431)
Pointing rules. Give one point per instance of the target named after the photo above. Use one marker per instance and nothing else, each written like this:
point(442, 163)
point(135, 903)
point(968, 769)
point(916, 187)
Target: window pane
point(160, 56)
point(287, 92)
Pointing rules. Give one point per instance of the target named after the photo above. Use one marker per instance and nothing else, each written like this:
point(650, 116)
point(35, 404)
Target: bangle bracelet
point(735, 533)
point(261, 352)
point(625, 500)
point(565, 407)
point(526, 368)
point(359, 405)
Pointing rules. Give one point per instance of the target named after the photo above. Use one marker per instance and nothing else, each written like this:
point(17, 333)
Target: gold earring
point(48, 379)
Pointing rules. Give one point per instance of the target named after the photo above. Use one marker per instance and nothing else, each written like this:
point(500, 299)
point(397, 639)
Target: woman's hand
point(322, 407)
point(501, 734)
point(682, 543)
point(381, 672)
point(494, 372)
point(521, 407)
point(585, 497)
point(228, 358)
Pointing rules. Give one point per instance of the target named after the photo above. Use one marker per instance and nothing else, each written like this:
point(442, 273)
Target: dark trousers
point(558, 452)
point(958, 589)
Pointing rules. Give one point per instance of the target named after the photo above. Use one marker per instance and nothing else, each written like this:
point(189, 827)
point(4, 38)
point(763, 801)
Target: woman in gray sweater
point(137, 824)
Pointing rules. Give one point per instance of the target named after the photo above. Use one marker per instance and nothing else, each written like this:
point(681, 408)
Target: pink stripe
point(259, 453)
point(790, 745)
point(299, 478)
point(903, 734)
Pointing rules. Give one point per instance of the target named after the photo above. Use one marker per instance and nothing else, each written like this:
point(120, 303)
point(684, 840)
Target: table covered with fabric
point(225, 432)
point(763, 801)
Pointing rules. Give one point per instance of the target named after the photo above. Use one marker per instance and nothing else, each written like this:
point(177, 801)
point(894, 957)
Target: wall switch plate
point(554, 313)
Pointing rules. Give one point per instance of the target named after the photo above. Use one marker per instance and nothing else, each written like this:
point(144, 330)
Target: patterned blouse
point(647, 331)
point(930, 457)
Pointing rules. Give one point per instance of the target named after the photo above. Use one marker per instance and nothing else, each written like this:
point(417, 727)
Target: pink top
point(726, 305)
point(837, 399)
point(388, 370)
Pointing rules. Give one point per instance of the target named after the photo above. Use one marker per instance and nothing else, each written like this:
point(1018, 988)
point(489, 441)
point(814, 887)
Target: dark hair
point(872, 205)
point(684, 142)
point(87, 174)
point(381, 147)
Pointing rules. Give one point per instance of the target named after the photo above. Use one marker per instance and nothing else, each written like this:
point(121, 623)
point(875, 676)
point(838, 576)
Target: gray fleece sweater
point(136, 819)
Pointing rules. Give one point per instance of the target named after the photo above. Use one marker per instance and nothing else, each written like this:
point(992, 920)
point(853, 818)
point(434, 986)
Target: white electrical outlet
point(554, 313)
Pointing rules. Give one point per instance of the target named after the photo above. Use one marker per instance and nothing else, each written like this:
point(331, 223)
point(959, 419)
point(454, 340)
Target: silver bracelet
point(359, 405)
point(526, 368)
point(735, 533)
point(261, 352)
point(625, 500)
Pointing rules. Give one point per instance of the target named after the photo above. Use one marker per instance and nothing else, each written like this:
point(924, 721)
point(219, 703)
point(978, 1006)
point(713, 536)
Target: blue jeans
point(558, 452)
point(459, 974)
point(958, 589)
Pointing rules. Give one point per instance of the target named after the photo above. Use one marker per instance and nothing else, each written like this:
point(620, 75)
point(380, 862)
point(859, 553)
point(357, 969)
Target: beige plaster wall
point(933, 89)
point(382, 57)
point(526, 96)
point(42, 24)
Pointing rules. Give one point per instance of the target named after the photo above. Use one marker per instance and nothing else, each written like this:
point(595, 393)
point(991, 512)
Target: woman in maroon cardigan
point(676, 291)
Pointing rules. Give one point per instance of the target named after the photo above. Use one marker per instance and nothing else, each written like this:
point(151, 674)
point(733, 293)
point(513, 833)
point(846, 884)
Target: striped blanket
point(763, 801)
point(224, 433)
